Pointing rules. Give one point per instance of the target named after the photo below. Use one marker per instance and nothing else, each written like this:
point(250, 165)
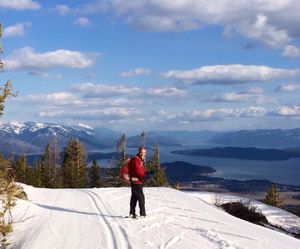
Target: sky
point(131, 65)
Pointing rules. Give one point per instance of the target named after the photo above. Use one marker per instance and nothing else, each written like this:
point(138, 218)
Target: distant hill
point(262, 138)
point(185, 172)
point(242, 153)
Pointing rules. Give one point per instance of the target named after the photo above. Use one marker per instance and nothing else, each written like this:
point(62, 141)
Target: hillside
point(94, 218)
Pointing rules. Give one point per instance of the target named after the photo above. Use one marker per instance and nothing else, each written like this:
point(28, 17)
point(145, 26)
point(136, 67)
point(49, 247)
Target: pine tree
point(114, 171)
point(21, 170)
point(95, 175)
point(153, 165)
point(74, 167)
point(49, 169)
point(272, 197)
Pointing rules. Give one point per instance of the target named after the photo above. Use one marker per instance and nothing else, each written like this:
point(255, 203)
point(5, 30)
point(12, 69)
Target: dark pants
point(137, 195)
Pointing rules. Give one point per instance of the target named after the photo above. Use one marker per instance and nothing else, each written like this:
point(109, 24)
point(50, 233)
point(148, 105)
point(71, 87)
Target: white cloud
point(19, 4)
point(291, 51)
point(53, 99)
point(108, 114)
point(101, 90)
point(208, 115)
point(27, 58)
point(82, 21)
point(166, 92)
point(134, 72)
point(274, 23)
point(286, 111)
point(15, 30)
point(288, 87)
point(62, 9)
point(231, 74)
point(255, 95)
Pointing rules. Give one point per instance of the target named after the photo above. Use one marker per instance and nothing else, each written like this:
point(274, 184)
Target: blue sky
point(154, 65)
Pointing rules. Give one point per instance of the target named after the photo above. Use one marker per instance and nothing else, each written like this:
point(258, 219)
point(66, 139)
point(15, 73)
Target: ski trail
point(172, 241)
point(120, 241)
point(108, 238)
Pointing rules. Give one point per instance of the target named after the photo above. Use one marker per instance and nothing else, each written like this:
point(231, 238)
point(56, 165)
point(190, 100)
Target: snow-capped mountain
point(31, 137)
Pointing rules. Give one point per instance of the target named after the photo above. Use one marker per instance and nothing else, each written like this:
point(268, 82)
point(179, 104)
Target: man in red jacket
point(137, 173)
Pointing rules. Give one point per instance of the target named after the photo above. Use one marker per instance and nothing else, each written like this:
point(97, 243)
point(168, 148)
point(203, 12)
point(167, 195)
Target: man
point(137, 173)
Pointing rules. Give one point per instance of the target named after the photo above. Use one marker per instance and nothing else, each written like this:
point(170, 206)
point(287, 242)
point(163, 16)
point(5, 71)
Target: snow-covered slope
point(94, 218)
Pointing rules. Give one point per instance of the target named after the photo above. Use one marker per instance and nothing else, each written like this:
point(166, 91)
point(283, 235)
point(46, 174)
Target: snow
point(94, 218)
point(85, 126)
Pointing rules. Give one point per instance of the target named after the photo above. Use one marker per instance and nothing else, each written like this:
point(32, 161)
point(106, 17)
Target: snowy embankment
point(93, 218)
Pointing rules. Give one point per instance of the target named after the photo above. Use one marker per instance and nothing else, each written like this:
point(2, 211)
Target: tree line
point(72, 171)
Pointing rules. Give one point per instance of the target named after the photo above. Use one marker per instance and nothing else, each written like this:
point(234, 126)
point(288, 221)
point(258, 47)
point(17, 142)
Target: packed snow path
point(94, 218)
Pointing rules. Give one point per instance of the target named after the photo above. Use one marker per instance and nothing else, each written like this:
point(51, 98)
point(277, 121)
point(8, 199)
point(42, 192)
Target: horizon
point(156, 66)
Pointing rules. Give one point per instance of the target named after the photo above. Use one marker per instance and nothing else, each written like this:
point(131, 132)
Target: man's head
point(142, 152)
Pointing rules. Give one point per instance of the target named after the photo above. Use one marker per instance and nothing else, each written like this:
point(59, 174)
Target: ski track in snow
point(119, 240)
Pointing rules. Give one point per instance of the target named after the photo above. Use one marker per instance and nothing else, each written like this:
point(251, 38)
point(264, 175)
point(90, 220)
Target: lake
point(285, 172)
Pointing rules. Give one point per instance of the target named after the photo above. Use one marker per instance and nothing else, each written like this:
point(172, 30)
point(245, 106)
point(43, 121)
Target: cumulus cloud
point(134, 72)
point(19, 4)
point(286, 111)
point(27, 58)
point(16, 30)
point(288, 87)
point(166, 92)
point(112, 113)
point(53, 99)
point(209, 114)
point(291, 51)
point(231, 74)
point(100, 90)
point(62, 9)
point(82, 21)
point(274, 24)
point(255, 95)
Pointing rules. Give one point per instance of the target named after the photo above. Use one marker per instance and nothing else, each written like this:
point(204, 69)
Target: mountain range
point(32, 137)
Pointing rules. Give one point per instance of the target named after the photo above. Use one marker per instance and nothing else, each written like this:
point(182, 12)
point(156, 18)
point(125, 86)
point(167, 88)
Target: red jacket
point(137, 169)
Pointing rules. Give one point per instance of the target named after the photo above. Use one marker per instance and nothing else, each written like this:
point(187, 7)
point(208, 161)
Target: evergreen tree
point(21, 170)
point(95, 175)
point(49, 169)
point(153, 165)
point(272, 197)
point(114, 171)
point(74, 167)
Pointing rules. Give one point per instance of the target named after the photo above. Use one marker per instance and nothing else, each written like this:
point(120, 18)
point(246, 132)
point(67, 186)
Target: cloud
point(288, 87)
point(255, 95)
point(166, 92)
point(44, 75)
point(230, 74)
point(291, 51)
point(134, 72)
point(53, 99)
point(286, 111)
point(274, 24)
point(62, 9)
point(101, 90)
point(112, 113)
point(16, 30)
point(82, 21)
point(26, 58)
point(19, 4)
point(208, 115)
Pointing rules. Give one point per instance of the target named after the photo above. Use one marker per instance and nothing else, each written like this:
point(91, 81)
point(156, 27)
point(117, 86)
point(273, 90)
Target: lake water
point(285, 172)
